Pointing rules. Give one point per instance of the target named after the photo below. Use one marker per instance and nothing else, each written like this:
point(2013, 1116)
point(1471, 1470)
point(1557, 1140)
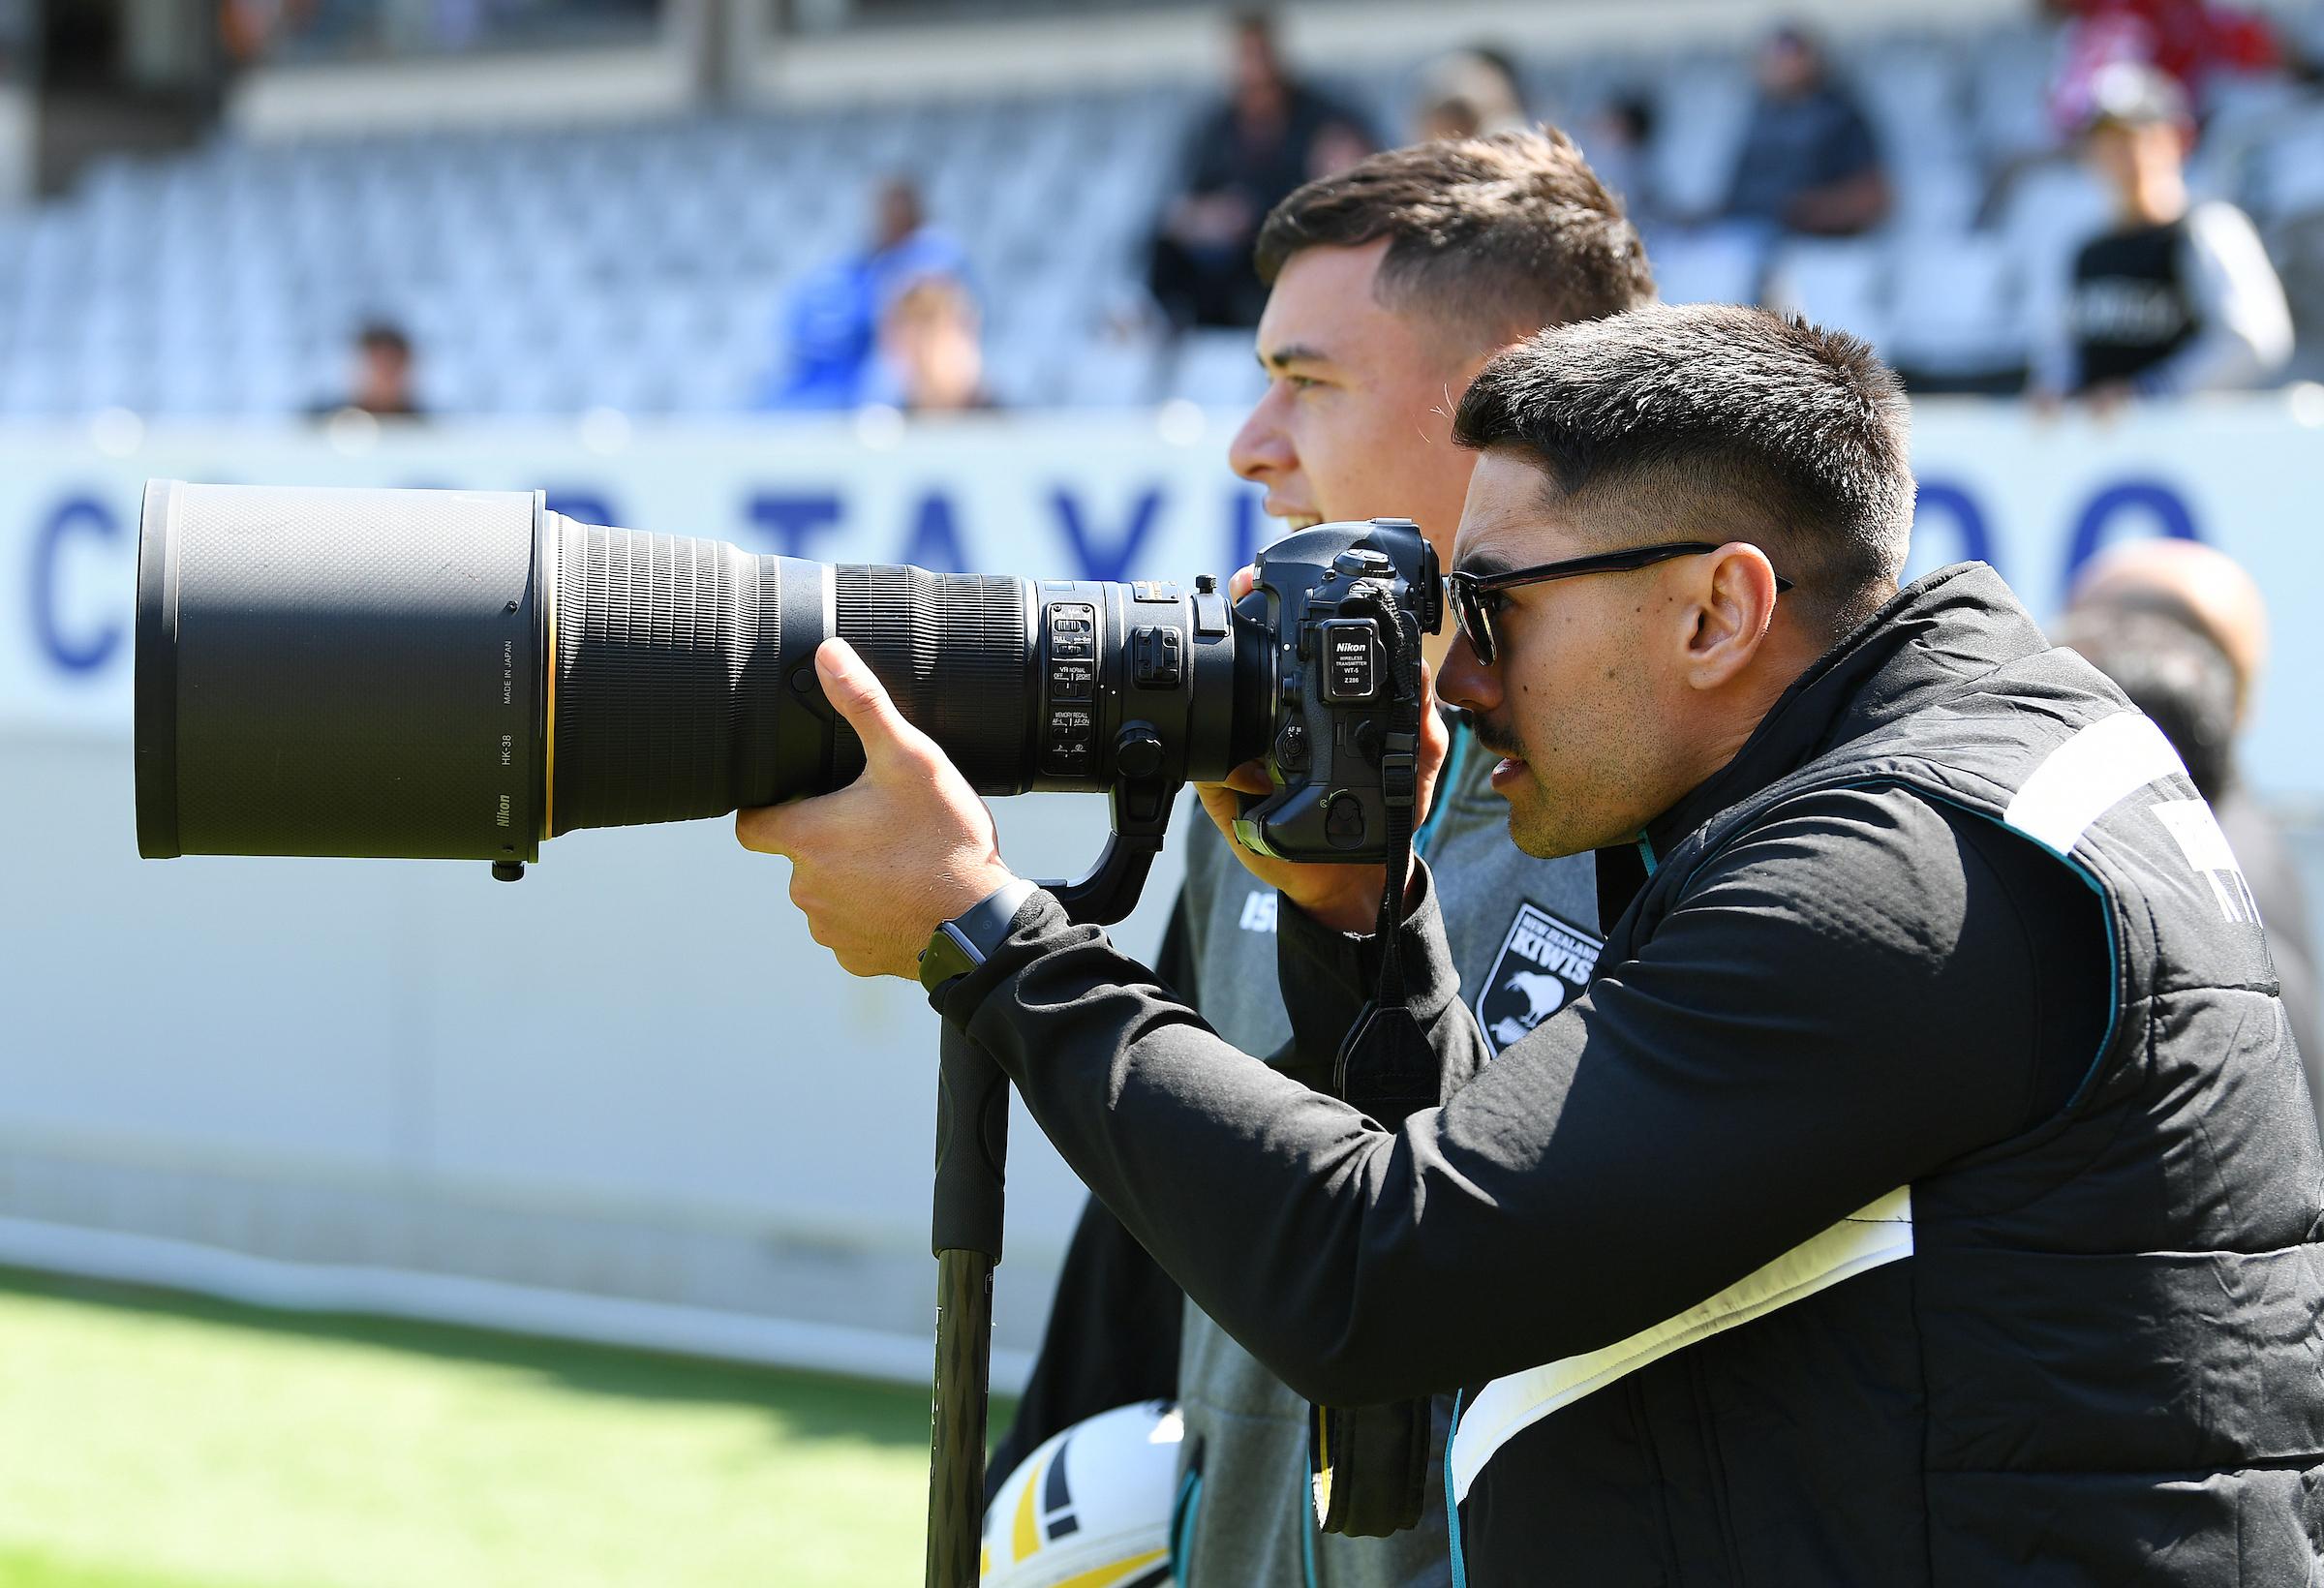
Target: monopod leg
point(972, 1146)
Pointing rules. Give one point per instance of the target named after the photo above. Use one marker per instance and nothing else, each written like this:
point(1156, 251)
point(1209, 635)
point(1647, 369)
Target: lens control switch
point(1067, 746)
point(1072, 631)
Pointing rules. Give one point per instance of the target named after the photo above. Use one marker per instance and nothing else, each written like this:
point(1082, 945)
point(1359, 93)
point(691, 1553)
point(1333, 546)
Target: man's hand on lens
point(1343, 897)
point(879, 865)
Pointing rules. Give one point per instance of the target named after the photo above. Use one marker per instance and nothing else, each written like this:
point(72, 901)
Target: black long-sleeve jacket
point(1338, 1250)
point(1854, 976)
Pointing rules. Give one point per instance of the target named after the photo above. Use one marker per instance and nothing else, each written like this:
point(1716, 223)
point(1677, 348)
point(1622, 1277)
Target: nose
point(1466, 681)
point(1260, 449)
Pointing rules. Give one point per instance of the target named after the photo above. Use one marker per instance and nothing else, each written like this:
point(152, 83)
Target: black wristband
point(967, 940)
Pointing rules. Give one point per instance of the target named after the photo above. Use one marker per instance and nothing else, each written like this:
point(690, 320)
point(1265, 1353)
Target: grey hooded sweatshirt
point(1523, 933)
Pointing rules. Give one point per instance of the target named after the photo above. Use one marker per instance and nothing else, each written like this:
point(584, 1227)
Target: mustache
point(1497, 736)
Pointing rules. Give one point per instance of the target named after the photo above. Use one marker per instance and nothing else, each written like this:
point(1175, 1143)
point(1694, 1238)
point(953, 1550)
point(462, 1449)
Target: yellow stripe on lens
point(548, 780)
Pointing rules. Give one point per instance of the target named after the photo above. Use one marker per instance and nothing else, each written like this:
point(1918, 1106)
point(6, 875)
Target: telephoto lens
point(463, 674)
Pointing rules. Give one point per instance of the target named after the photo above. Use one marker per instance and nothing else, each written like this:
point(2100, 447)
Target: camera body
point(1345, 605)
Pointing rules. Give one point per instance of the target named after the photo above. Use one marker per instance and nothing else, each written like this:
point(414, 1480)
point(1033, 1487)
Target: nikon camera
point(463, 674)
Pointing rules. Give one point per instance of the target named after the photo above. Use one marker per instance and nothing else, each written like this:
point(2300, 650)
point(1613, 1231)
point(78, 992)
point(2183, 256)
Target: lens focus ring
point(953, 650)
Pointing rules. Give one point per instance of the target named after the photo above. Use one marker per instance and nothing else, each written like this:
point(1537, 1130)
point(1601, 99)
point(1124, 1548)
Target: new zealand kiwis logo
point(1544, 965)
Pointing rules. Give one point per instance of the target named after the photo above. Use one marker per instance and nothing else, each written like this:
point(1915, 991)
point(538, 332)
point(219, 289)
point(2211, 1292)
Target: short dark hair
point(383, 336)
point(2172, 670)
point(1500, 234)
point(1729, 424)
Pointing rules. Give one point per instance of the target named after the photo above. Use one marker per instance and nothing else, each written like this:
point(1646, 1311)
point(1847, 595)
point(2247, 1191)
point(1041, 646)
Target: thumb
point(856, 693)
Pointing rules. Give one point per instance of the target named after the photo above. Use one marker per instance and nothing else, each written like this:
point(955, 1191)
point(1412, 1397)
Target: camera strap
point(1368, 1465)
point(1386, 1066)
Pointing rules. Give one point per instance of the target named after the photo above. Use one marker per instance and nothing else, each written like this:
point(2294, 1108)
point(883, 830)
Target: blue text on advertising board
point(814, 523)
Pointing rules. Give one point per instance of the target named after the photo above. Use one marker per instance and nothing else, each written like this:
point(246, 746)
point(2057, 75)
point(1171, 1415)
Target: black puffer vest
point(2091, 1354)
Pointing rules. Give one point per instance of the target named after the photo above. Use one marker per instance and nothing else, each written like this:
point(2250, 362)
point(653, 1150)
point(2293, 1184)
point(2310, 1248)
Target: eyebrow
point(1485, 564)
point(1294, 352)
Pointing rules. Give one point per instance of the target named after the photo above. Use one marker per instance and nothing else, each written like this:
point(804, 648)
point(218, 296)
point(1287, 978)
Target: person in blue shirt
point(831, 319)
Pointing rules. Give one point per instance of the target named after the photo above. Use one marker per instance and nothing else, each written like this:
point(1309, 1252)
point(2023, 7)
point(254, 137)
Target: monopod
point(973, 1149)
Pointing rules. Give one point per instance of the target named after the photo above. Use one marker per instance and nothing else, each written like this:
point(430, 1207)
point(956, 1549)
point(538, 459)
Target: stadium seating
point(1960, 315)
point(1842, 281)
point(642, 267)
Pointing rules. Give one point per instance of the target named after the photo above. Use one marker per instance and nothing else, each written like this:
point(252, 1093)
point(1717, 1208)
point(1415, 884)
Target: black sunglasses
point(1475, 597)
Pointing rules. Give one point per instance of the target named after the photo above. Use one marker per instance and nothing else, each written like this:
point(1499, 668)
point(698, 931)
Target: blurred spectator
point(248, 29)
point(2174, 672)
point(1808, 163)
point(1469, 93)
point(1271, 135)
point(252, 30)
point(383, 376)
point(1339, 145)
point(2181, 627)
point(2176, 297)
point(931, 346)
point(2189, 40)
point(832, 319)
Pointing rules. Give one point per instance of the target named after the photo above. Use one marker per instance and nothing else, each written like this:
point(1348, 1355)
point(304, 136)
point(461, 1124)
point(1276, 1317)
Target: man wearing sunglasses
point(1389, 284)
point(1923, 1192)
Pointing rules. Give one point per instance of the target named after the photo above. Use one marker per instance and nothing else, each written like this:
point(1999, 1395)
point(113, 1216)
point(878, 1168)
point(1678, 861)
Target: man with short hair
point(1923, 1191)
point(383, 386)
point(1389, 284)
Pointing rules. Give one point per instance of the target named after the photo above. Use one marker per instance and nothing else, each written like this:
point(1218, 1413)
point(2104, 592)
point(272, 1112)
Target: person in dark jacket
point(1269, 134)
point(1808, 162)
point(1388, 285)
point(1922, 1191)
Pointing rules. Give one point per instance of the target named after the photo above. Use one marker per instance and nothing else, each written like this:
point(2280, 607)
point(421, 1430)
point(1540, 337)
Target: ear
point(1734, 604)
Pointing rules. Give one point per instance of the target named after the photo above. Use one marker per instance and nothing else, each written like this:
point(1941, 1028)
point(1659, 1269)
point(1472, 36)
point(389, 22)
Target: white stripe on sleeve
point(1505, 1408)
point(2083, 777)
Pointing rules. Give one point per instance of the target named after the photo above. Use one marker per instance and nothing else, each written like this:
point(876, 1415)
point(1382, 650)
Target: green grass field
point(151, 1440)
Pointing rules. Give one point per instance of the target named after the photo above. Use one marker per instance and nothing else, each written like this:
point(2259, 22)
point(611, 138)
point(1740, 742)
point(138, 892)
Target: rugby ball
point(1090, 1508)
